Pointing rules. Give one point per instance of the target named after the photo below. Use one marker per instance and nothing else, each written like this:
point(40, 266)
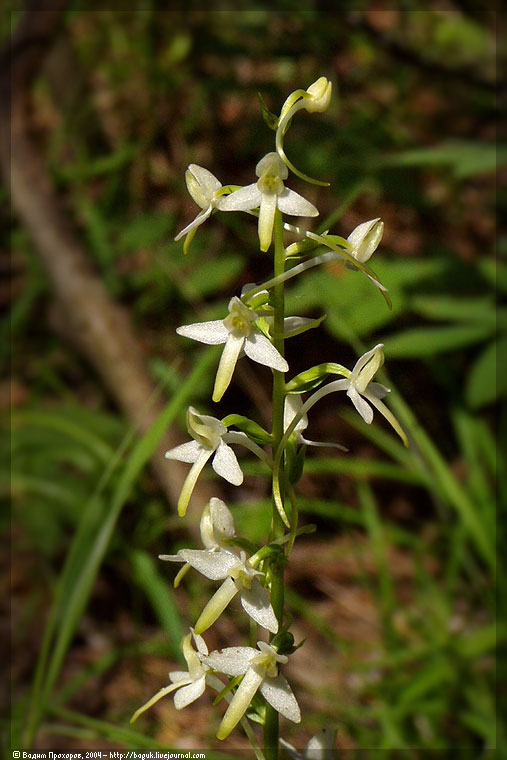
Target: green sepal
point(296, 464)
point(311, 326)
point(253, 430)
point(229, 687)
point(315, 376)
point(283, 642)
point(269, 117)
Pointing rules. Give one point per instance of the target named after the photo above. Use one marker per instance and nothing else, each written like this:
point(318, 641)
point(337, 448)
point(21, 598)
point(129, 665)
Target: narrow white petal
point(361, 405)
point(188, 694)
point(171, 557)
point(382, 408)
point(294, 204)
point(240, 702)
point(295, 323)
point(213, 333)
point(191, 480)
point(255, 601)
point(153, 700)
point(199, 219)
point(230, 356)
point(187, 452)
point(266, 219)
point(216, 606)
point(226, 465)
point(244, 199)
point(261, 350)
point(233, 661)
point(278, 693)
point(210, 563)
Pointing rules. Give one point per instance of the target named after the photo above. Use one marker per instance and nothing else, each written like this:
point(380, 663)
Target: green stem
point(277, 577)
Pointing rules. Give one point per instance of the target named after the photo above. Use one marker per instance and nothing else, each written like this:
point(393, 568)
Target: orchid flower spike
point(268, 194)
point(187, 685)
point(365, 239)
point(315, 99)
point(259, 668)
point(210, 439)
point(293, 404)
point(239, 334)
point(239, 577)
point(322, 746)
point(205, 190)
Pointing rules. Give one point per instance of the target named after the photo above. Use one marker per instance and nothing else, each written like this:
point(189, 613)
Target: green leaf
point(430, 341)
point(477, 310)
point(487, 378)
point(464, 158)
point(269, 118)
point(251, 428)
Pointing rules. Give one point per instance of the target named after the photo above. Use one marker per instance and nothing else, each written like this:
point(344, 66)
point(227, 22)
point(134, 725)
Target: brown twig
point(99, 326)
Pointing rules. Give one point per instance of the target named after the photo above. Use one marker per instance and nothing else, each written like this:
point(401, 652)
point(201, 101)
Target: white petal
point(378, 390)
point(191, 480)
point(209, 184)
point(226, 465)
point(233, 661)
point(278, 693)
point(210, 563)
point(261, 350)
point(294, 204)
point(199, 219)
point(230, 356)
point(255, 601)
point(244, 199)
point(171, 557)
point(188, 694)
point(295, 323)
point(179, 675)
point(240, 702)
point(221, 518)
point(266, 219)
point(201, 645)
point(187, 452)
point(361, 405)
point(216, 605)
point(213, 333)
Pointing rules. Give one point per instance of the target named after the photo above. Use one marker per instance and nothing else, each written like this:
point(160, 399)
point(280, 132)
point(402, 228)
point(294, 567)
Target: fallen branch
point(100, 327)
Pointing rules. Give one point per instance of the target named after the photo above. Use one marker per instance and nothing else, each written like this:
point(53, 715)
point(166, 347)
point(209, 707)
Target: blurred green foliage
point(126, 101)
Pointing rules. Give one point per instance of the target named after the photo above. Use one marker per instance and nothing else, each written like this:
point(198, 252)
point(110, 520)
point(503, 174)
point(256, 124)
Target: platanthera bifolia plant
point(250, 678)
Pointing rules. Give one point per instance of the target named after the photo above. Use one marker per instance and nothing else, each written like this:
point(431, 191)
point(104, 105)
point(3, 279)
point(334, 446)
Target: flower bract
point(268, 194)
point(259, 668)
point(238, 332)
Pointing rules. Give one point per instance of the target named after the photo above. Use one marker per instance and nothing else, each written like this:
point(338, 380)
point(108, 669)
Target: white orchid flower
point(240, 577)
point(205, 190)
point(216, 526)
point(361, 390)
point(322, 746)
point(188, 685)
point(365, 239)
point(210, 439)
point(239, 334)
point(268, 194)
point(292, 409)
point(259, 668)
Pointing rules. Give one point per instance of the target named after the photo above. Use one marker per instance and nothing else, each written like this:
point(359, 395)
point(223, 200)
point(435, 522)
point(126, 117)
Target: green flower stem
point(278, 530)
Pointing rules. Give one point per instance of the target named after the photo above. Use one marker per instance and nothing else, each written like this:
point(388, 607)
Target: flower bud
point(365, 239)
point(320, 92)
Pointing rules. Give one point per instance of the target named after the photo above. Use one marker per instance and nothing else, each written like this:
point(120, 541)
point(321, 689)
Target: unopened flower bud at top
point(320, 92)
point(366, 238)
